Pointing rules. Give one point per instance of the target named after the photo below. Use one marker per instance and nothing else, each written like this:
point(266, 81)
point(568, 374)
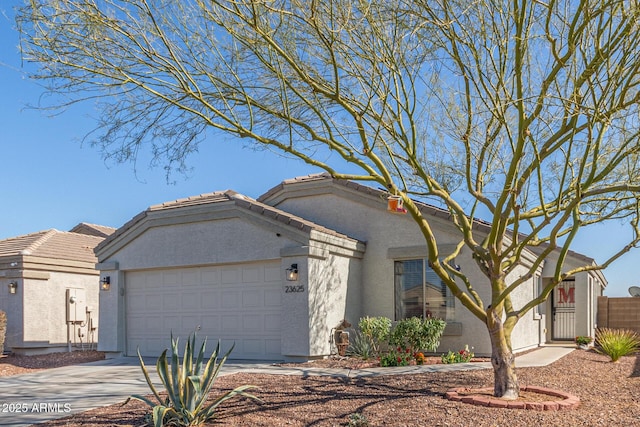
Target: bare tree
point(527, 110)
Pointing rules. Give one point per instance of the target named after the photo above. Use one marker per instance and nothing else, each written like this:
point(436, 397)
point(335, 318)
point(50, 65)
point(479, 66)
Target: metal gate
point(564, 311)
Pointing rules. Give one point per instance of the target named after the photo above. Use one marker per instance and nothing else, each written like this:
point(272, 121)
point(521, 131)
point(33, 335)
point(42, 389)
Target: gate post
point(603, 312)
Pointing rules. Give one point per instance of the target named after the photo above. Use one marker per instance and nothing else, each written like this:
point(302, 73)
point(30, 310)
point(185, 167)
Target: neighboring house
point(277, 275)
point(49, 289)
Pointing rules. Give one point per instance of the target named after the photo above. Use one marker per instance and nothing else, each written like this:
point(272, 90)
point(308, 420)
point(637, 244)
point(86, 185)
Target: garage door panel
point(153, 302)
point(170, 302)
point(254, 346)
point(272, 274)
point(234, 304)
point(230, 323)
point(170, 279)
point(210, 276)
point(136, 303)
point(273, 346)
point(251, 275)
point(252, 322)
point(252, 299)
point(229, 276)
point(230, 299)
point(210, 299)
point(190, 301)
point(190, 278)
point(189, 324)
point(169, 323)
point(211, 323)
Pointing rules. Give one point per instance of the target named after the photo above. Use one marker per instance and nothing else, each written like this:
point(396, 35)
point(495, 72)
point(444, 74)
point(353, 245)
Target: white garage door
point(234, 304)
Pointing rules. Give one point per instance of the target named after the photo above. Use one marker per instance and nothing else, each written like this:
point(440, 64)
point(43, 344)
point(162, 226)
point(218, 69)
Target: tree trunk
point(504, 368)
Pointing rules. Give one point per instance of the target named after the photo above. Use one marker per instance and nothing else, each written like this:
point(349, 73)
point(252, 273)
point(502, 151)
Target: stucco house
point(49, 289)
point(278, 274)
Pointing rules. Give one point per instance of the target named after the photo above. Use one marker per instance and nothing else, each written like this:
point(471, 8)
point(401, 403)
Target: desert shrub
point(360, 346)
point(188, 384)
point(461, 356)
point(3, 329)
point(417, 334)
point(376, 330)
point(357, 420)
point(617, 343)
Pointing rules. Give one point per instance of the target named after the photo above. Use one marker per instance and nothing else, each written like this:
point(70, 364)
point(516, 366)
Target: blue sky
point(51, 180)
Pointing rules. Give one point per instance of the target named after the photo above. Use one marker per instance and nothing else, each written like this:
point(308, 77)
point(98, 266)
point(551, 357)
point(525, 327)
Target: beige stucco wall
point(12, 305)
point(588, 286)
point(176, 244)
point(37, 316)
point(307, 317)
point(529, 330)
point(201, 243)
point(387, 235)
point(45, 310)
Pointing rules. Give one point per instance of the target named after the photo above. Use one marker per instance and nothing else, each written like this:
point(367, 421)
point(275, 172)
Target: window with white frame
point(420, 292)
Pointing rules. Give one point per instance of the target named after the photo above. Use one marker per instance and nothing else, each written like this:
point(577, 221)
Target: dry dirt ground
point(609, 393)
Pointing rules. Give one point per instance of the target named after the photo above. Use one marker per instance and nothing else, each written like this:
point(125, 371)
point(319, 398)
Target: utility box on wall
point(76, 305)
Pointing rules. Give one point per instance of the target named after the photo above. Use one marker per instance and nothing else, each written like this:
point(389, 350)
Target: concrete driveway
point(55, 393)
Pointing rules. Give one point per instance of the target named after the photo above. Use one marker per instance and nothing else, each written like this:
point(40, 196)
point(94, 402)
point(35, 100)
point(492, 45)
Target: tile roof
point(52, 244)
point(434, 210)
point(234, 199)
point(93, 229)
point(324, 176)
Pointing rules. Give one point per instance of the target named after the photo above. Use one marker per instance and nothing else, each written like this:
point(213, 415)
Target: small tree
point(526, 111)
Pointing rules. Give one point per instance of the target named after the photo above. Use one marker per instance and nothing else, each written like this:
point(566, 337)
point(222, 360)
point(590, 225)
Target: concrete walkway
point(55, 393)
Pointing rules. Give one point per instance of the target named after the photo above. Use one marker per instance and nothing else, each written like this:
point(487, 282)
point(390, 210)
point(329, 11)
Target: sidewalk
point(55, 393)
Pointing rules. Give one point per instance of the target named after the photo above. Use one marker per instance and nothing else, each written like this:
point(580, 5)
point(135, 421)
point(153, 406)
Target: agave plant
point(188, 385)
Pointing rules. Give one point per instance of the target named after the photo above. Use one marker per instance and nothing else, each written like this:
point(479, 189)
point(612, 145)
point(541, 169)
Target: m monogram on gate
point(566, 295)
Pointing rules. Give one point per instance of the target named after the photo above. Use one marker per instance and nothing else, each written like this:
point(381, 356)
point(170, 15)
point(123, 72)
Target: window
point(420, 292)
point(537, 290)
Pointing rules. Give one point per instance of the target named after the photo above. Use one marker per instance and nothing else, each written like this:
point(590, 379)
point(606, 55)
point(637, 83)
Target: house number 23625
point(292, 289)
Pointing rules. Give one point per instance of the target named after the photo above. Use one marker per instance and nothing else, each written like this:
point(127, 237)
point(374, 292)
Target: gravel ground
point(15, 365)
point(609, 392)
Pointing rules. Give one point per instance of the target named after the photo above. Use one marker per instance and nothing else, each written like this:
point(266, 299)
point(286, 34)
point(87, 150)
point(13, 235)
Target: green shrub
point(3, 329)
point(616, 343)
point(360, 346)
point(187, 385)
point(417, 334)
point(583, 340)
point(396, 357)
point(377, 330)
point(461, 356)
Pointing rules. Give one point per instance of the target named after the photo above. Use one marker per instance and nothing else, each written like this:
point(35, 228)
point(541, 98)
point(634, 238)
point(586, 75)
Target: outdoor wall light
point(105, 283)
point(13, 287)
point(292, 273)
